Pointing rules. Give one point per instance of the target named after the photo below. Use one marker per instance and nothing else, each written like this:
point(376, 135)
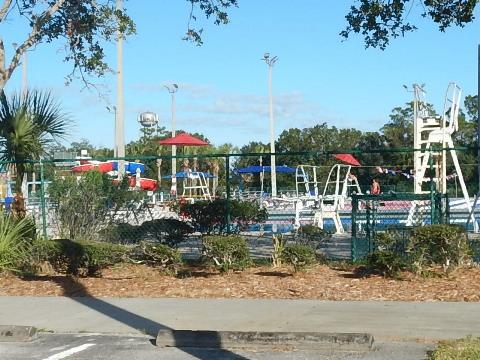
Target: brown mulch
point(321, 282)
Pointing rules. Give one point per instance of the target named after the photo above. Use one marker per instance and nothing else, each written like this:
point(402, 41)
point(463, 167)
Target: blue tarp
point(284, 169)
point(131, 167)
point(184, 174)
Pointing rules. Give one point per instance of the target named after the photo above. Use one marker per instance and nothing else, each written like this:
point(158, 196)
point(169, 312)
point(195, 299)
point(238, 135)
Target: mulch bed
point(264, 282)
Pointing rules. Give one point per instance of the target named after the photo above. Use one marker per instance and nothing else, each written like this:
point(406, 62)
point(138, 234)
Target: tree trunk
point(18, 207)
point(159, 172)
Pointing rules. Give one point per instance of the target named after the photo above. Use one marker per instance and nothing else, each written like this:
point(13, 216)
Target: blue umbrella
point(283, 169)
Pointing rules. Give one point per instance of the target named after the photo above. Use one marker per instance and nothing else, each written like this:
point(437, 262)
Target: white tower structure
point(433, 142)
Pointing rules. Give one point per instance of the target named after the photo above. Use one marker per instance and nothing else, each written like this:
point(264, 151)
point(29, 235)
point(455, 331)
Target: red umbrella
point(347, 159)
point(183, 139)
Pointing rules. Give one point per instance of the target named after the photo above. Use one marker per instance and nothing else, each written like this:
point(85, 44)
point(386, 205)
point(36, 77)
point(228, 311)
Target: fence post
point(42, 200)
point(432, 190)
point(353, 244)
point(227, 174)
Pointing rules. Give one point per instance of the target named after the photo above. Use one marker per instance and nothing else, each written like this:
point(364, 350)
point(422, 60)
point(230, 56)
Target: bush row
point(426, 248)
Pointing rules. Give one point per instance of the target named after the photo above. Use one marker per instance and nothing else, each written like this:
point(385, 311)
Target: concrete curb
point(240, 339)
point(10, 333)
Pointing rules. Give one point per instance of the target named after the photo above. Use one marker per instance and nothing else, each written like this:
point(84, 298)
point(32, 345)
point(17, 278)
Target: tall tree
point(83, 27)
point(380, 20)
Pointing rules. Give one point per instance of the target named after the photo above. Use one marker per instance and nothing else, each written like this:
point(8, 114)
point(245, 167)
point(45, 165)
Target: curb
point(17, 333)
point(241, 339)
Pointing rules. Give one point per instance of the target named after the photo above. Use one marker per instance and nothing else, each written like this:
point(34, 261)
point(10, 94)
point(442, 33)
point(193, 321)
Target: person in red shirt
point(375, 188)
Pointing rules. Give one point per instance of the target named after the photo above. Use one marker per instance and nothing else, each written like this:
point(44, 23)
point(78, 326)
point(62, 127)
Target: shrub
point(227, 252)
point(301, 257)
point(278, 248)
point(84, 206)
point(434, 245)
point(15, 243)
point(123, 233)
point(166, 231)
point(209, 217)
point(310, 235)
point(462, 349)
point(386, 263)
point(159, 256)
point(81, 258)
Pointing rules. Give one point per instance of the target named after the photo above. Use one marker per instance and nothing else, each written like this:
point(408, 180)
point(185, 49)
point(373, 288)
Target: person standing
point(375, 188)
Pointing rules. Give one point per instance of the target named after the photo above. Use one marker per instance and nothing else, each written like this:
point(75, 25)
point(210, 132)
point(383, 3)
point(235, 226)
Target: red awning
point(184, 139)
point(347, 159)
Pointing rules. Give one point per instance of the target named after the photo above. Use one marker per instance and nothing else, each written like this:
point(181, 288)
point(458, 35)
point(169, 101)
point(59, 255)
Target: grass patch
point(462, 349)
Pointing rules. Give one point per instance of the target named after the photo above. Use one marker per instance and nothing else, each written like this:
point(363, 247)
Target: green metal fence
point(139, 212)
point(395, 214)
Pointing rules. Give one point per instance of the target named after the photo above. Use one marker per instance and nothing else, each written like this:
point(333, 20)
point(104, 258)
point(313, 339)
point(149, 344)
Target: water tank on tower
point(148, 119)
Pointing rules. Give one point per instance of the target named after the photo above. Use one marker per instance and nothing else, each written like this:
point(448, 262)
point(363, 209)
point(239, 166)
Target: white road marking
point(58, 348)
point(66, 353)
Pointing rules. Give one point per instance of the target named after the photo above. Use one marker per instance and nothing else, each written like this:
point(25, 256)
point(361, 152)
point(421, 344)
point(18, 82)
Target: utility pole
point(478, 117)
point(273, 174)
point(114, 110)
point(120, 118)
point(172, 89)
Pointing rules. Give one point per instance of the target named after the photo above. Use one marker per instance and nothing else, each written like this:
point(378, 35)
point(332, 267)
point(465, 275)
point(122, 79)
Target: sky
point(223, 85)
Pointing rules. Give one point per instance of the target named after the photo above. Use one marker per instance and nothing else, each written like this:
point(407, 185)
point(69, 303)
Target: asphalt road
point(102, 347)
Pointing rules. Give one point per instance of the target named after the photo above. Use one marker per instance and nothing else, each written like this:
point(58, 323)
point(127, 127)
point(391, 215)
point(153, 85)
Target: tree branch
point(29, 42)
point(4, 9)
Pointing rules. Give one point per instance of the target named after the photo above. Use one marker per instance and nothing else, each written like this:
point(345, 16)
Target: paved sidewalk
point(385, 320)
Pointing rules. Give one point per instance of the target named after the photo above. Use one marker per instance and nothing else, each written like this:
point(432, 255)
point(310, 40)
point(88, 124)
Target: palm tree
point(28, 123)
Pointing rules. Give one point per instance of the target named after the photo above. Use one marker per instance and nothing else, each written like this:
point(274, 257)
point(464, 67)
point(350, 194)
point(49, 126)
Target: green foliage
point(81, 258)
point(438, 245)
point(301, 257)
point(27, 124)
point(216, 9)
point(462, 349)
point(158, 255)
point(166, 231)
point(210, 217)
point(245, 213)
point(15, 243)
point(279, 243)
point(123, 233)
point(386, 263)
point(380, 20)
point(85, 206)
point(311, 235)
point(227, 252)
point(170, 232)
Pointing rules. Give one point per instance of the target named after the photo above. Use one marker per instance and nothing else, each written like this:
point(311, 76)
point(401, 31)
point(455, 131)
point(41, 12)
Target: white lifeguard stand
point(433, 142)
point(331, 201)
point(196, 186)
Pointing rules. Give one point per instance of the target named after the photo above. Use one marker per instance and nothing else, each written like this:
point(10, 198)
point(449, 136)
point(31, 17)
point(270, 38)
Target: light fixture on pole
point(270, 61)
point(172, 89)
point(113, 110)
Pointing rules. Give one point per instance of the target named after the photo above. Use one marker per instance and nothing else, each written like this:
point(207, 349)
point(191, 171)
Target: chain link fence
point(93, 204)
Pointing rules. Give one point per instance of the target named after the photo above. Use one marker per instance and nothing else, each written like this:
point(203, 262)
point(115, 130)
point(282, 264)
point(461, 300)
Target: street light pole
point(273, 174)
point(120, 117)
point(114, 110)
point(172, 89)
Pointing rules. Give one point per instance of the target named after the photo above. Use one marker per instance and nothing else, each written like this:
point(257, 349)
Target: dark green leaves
point(210, 8)
point(380, 20)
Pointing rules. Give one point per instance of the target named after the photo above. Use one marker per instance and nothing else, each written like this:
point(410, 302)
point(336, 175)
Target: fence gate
point(394, 213)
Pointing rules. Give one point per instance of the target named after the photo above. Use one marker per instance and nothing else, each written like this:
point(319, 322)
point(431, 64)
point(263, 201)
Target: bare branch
point(4, 9)
point(31, 39)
